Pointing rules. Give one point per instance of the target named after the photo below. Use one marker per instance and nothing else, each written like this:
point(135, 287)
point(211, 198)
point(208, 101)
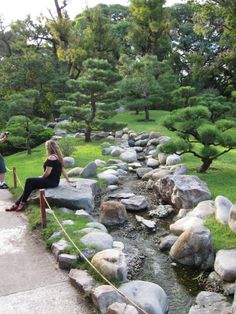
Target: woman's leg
point(33, 184)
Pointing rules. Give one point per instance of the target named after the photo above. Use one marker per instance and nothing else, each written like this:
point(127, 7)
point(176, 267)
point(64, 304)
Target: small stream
point(149, 263)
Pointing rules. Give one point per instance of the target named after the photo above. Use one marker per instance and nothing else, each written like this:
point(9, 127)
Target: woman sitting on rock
point(53, 168)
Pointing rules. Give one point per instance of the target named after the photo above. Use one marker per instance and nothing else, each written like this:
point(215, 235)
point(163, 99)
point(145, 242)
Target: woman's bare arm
point(47, 172)
point(65, 175)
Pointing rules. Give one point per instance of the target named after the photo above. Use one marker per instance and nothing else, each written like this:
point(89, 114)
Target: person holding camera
point(3, 169)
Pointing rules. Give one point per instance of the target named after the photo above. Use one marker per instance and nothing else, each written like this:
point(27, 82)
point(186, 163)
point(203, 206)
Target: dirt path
point(30, 281)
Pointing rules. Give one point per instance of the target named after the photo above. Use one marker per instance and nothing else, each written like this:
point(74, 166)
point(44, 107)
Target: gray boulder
point(203, 210)
point(149, 296)
point(142, 171)
point(210, 302)
point(182, 191)
point(129, 156)
point(185, 223)
point(82, 280)
point(194, 248)
point(225, 264)
point(68, 162)
point(80, 195)
point(96, 225)
point(167, 242)
point(97, 240)
point(103, 296)
point(232, 218)
point(74, 172)
point(121, 308)
point(153, 163)
point(89, 171)
point(135, 203)
point(66, 261)
point(223, 206)
point(179, 169)
point(154, 134)
point(116, 151)
point(110, 179)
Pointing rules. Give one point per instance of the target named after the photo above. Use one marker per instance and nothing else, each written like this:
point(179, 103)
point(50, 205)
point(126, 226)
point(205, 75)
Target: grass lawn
point(221, 177)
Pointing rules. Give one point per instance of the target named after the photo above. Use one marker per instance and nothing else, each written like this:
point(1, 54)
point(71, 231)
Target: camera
point(6, 133)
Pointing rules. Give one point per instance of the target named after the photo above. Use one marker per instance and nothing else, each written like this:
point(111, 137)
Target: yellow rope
point(90, 264)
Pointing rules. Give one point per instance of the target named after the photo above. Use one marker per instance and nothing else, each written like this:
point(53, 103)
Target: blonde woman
point(53, 168)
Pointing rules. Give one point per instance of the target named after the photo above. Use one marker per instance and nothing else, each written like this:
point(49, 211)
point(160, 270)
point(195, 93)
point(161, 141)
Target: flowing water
point(180, 283)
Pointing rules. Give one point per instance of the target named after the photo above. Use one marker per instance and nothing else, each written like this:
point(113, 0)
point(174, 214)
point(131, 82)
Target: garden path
point(30, 280)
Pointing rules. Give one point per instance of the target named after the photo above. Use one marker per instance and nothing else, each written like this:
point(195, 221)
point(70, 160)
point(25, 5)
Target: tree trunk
point(146, 111)
point(136, 111)
point(88, 134)
point(205, 165)
point(28, 139)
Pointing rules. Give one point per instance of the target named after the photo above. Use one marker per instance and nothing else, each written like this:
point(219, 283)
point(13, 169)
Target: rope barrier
point(91, 265)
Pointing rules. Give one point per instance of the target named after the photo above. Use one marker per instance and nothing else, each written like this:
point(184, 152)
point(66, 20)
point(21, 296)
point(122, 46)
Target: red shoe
point(21, 207)
point(12, 208)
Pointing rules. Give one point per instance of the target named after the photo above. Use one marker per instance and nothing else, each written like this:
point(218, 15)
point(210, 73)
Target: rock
point(173, 160)
point(80, 195)
point(82, 280)
point(112, 187)
point(162, 211)
point(142, 171)
point(225, 264)
point(167, 242)
point(153, 153)
point(108, 178)
point(97, 225)
point(97, 240)
point(118, 134)
point(66, 210)
point(223, 206)
point(164, 139)
point(232, 218)
point(154, 134)
point(121, 308)
point(111, 263)
point(150, 184)
point(103, 296)
point(135, 164)
point(59, 247)
point(116, 151)
point(185, 223)
point(138, 149)
point(82, 213)
point(210, 302)
point(88, 230)
point(74, 172)
point(68, 162)
point(203, 210)
point(125, 137)
point(107, 150)
point(234, 304)
point(121, 195)
point(215, 281)
point(182, 191)
point(149, 296)
point(68, 222)
point(141, 143)
point(135, 203)
point(148, 223)
point(160, 173)
point(162, 158)
point(194, 248)
point(129, 156)
point(118, 245)
point(153, 163)
point(66, 261)
point(89, 171)
point(112, 213)
point(121, 173)
point(179, 169)
point(100, 163)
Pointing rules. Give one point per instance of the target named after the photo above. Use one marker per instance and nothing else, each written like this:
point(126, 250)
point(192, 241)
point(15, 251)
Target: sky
point(11, 10)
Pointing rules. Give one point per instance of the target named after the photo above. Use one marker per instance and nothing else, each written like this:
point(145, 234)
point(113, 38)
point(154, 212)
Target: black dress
point(40, 182)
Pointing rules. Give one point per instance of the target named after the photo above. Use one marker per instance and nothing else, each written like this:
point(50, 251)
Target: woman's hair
point(52, 148)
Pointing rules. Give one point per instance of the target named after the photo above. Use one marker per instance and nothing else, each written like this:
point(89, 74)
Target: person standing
point(3, 169)
point(53, 168)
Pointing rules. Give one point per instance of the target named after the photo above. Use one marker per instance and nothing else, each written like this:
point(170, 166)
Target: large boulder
point(183, 191)
point(112, 213)
point(209, 303)
point(79, 195)
point(225, 264)
point(97, 240)
point(135, 203)
point(184, 224)
point(109, 178)
point(121, 308)
point(89, 171)
point(149, 296)
point(129, 156)
point(223, 206)
point(232, 218)
point(68, 162)
point(111, 263)
point(173, 160)
point(203, 210)
point(103, 296)
point(194, 248)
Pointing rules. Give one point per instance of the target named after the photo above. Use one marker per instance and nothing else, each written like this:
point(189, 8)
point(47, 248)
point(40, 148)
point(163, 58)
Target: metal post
point(14, 177)
point(43, 207)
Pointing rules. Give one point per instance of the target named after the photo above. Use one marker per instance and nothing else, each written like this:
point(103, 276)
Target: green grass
point(222, 236)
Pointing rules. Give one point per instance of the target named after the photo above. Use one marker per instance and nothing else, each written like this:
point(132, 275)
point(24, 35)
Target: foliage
point(67, 146)
point(198, 135)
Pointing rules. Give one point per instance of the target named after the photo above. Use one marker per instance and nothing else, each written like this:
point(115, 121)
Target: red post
point(14, 177)
point(43, 207)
